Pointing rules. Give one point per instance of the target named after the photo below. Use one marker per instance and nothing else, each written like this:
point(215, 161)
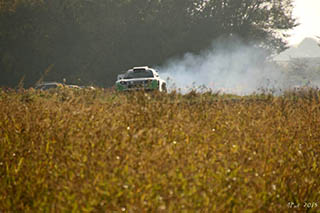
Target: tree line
point(91, 41)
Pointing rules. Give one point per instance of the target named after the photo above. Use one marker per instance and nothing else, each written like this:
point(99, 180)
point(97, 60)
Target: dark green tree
point(259, 21)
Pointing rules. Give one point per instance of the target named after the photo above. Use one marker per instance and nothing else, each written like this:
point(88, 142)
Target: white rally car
point(140, 78)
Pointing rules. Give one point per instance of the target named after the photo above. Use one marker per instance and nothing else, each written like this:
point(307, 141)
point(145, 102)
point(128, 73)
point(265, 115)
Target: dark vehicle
point(49, 85)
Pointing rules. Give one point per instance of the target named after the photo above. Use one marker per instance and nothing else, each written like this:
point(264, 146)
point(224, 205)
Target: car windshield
point(138, 74)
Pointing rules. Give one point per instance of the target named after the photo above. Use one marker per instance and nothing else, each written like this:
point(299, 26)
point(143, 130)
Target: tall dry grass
point(99, 151)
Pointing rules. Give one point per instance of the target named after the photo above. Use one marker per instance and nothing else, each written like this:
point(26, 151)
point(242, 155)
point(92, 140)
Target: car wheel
point(164, 87)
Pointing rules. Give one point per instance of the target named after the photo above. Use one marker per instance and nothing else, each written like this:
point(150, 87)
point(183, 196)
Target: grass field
point(99, 151)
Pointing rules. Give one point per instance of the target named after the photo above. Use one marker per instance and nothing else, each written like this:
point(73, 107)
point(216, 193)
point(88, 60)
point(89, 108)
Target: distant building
point(308, 48)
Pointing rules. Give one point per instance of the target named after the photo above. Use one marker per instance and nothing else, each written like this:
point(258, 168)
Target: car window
point(139, 74)
point(52, 86)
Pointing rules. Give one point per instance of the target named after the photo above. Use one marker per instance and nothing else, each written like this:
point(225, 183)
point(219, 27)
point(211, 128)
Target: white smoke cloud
point(228, 66)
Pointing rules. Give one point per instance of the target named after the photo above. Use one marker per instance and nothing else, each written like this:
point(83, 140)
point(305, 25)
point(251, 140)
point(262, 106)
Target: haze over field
point(236, 69)
point(229, 66)
point(233, 67)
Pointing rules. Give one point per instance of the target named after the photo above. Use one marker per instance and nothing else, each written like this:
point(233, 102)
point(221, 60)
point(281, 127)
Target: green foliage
point(92, 41)
point(101, 151)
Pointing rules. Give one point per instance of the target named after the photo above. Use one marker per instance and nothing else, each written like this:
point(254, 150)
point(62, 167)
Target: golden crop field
point(100, 151)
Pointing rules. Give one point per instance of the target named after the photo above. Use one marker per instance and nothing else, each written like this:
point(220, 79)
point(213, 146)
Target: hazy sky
point(308, 14)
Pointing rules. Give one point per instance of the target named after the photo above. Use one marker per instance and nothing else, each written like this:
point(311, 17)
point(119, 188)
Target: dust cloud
point(228, 66)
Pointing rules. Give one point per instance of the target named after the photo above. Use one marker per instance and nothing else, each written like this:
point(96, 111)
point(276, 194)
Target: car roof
point(44, 84)
point(49, 83)
point(141, 68)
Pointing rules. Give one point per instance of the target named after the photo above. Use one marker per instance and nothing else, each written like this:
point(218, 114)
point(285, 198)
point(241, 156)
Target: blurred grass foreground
point(101, 151)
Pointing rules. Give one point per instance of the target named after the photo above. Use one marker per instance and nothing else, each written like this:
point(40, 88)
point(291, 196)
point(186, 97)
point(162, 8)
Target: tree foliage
point(92, 41)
